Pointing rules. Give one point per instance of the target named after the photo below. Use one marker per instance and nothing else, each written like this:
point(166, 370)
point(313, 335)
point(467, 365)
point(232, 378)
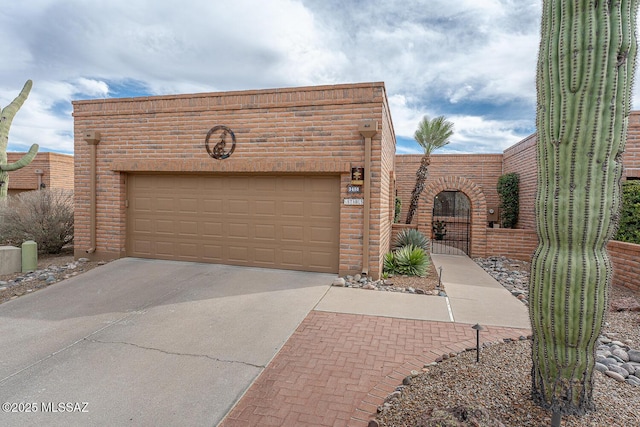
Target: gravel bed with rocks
point(427, 285)
point(51, 269)
point(404, 284)
point(497, 390)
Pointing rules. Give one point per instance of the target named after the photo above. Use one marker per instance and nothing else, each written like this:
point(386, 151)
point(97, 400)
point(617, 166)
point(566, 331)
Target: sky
point(472, 61)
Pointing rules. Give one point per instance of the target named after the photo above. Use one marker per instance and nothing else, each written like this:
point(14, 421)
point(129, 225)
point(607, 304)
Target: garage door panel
point(238, 253)
point(163, 226)
point(187, 205)
point(265, 208)
point(142, 204)
point(292, 258)
point(287, 222)
point(143, 225)
point(319, 185)
point(143, 247)
point(292, 184)
point(212, 253)
point(212, 206)
point(320, 235)
point(293, 233)
point(188, 228)
point(265, 185)
point(265, 256)
point(321, 210)
point(265, 232)
point(318, 259)
point(238, 231)
point(238, 207)
point(188, 250)
point(213, 230)
point(164, 248)
point(293, 209)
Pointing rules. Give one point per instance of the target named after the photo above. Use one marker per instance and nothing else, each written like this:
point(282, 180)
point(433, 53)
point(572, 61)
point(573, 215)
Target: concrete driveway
point(146, 342)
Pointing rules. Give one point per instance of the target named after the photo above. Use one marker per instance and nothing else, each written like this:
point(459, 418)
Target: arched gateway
point(452, 193)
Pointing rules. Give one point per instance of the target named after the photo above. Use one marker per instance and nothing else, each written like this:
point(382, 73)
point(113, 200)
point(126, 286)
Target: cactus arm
point(6, 117)
point(584, 78)
point(24, 160)
point(9, 112)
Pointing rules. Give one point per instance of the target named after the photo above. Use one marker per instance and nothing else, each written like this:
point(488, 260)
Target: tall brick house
point(308, 185)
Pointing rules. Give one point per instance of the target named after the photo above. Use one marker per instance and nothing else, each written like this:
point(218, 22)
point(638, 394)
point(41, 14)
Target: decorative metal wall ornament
point(220, 133)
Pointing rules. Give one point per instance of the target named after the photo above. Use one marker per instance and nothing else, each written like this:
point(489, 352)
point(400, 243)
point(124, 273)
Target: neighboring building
point(47, 170)
point(283, 199)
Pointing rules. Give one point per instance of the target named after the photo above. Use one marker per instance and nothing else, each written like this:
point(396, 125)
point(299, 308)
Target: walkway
point(355, 347)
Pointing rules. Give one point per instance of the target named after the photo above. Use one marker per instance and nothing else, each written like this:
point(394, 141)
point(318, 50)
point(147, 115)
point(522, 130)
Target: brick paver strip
point(337, 368)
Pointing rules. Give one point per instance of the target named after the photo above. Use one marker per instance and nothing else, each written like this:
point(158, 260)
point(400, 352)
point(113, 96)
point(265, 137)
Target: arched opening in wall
point(451, 223)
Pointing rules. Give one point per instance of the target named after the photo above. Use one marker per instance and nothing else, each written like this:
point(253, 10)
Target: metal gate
point(451, 223)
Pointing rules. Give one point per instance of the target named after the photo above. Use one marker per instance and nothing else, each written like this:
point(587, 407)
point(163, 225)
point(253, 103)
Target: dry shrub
point(45, 216)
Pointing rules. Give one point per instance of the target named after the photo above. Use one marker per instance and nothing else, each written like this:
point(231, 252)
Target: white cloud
point(472, 61)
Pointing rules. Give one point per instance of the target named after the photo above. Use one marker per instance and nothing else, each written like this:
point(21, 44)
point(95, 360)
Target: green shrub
point(629, 227)
point(45, 216)
point(410, 236)
point(411, 261)
point(508, 186)
point(398, 208)
point(389, 263)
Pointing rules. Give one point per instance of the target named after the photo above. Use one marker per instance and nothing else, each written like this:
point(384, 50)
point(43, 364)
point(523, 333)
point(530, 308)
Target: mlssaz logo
point(222, 135)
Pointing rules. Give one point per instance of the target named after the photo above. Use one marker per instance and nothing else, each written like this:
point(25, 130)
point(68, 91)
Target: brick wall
point(521, 244)
point(521, 158)
point(511, 243)
point(631, 159)
point(387, 193)
point(626, 264)
point(482, 169)
point(57, 172)
point(296, 130)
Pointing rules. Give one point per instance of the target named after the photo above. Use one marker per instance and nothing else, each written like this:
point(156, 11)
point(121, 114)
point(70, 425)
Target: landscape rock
point(340, 282)
point(625, 304)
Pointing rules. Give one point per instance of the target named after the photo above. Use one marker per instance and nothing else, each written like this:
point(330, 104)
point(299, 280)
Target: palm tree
point(431, 135)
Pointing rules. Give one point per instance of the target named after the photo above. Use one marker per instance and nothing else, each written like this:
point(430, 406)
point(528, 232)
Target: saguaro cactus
point(6, 118)
point(584, 79)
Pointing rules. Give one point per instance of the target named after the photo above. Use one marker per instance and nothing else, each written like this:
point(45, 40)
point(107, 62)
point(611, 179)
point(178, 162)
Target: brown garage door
point(288, 222)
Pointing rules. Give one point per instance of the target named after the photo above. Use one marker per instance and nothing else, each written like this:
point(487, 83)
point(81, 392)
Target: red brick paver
point(337, 368)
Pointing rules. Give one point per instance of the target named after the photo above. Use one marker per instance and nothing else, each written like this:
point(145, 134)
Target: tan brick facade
point(311, 130)
point(57, 172)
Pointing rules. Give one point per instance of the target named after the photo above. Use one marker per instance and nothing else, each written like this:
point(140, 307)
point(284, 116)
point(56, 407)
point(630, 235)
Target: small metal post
point(556, 419)
point(477, 328)
point(440, 278)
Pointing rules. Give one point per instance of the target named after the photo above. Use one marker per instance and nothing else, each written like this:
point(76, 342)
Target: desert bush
point(411, 236)
point(508, 190)
point(45, 216)
point(629, 227)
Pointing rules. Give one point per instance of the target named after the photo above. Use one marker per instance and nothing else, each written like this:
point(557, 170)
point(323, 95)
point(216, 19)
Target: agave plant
point(410, 236)
point(389, 263)
point(411, 261)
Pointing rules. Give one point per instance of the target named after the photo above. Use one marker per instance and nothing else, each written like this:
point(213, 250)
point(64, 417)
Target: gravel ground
point(496, 391)
point(51, 270)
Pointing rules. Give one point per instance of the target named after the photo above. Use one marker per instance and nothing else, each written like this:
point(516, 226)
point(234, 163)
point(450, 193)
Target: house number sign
point(354, 202)
point(223, 135)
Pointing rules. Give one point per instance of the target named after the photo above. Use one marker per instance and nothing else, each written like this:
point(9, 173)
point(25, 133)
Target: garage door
point(288, 222)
